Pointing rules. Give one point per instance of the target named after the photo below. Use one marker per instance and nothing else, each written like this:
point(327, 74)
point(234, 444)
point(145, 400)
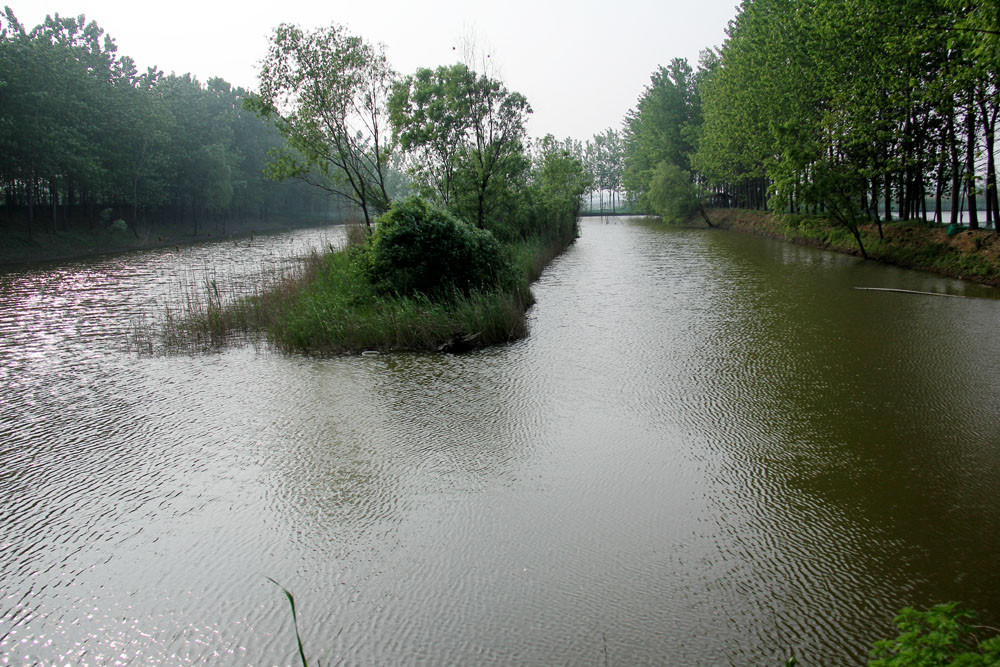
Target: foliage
point(604, 159)
point(858, 108)
point(559, 180)
point(661, 128)
point(671, 194)
point(971, 254)
point(942, 635)
point(430, 114)
point(327, 92)
point(328, 306)
point(423, 280)
point(82, 130)
point(420, 249)
point(295, 621)
point(837, 187)
point(465, 133)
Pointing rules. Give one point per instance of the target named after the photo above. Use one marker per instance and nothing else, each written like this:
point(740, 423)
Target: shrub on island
point(419, 249)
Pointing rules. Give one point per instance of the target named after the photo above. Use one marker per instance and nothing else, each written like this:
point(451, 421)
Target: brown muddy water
point(710, 450)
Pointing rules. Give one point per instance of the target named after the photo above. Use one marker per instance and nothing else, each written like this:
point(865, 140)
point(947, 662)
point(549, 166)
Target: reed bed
point(323, 304)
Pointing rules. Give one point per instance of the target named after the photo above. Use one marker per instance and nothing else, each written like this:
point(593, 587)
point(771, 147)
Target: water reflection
point(711, 449)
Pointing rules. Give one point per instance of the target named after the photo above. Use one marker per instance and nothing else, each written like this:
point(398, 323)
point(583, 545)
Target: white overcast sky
point(581, 64)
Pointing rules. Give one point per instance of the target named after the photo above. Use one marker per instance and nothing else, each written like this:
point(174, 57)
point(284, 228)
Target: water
point(711, 449)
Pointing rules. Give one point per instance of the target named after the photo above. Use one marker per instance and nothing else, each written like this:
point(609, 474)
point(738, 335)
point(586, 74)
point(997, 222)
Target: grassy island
point(423, 280)
point(460, 208)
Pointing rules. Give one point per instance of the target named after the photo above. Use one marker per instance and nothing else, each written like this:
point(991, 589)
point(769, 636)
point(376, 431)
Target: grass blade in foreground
point(295, 621)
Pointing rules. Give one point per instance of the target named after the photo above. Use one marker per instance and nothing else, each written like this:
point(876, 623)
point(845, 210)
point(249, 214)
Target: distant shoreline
point(17, 251)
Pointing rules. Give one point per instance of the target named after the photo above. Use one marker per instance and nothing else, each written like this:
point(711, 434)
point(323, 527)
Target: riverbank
point(17, 249)
point(968, 255)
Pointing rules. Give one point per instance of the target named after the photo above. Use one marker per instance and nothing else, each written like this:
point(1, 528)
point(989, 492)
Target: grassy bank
point(328, 306)
point(969, 254)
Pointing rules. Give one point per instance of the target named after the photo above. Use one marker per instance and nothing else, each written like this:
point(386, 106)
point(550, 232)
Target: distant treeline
point(86, 139)
point(850, 108)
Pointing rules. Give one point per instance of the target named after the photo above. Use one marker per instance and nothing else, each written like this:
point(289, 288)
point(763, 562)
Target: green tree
point(604, 158)
point(431, 117)
point(560, 180)
point(422, 250)
point(470, 129)
point(327, 92)
point(661, 128)
point(674, 196)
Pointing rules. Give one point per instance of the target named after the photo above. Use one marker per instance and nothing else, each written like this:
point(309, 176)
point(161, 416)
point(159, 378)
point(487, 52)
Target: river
point(710, 450)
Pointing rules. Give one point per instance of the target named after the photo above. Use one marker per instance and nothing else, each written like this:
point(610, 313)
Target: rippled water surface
point(711, 449)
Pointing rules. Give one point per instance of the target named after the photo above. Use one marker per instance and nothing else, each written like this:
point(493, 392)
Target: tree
point(470, 128)
point(422, 250)
point(661, 127)
point(673, 195)
point(942, 635)
point(604, 159)
point(327, 92)
point(559, 179)
point(430, 115)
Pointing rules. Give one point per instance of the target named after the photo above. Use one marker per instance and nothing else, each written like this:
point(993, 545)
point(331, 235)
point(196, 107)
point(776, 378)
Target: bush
point(942, 635)
point(420, 249)
point(671, 194)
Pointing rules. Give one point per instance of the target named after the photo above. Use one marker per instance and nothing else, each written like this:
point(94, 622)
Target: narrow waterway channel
point(710, 450)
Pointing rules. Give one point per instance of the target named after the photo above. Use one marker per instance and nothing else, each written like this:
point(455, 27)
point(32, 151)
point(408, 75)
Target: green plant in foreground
point(295, 621)
point(942, 635)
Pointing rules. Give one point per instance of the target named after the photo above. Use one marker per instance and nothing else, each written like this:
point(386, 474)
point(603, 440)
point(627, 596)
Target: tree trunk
point(888, 195)
point(939, 185)
point(989, 126)
point(54, 201)
point(970, 164)
point(31, 206)
point(68, 203)
point(956, 172)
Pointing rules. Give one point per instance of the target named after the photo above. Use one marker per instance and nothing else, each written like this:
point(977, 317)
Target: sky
point(582, 65)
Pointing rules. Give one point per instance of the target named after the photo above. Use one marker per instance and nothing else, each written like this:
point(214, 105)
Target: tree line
point(452, 135)
point(862, 110)
point(85, 138)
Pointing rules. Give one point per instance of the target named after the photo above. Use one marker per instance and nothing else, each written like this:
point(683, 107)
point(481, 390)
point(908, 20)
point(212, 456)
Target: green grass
point(327, 306)
point(337, 311)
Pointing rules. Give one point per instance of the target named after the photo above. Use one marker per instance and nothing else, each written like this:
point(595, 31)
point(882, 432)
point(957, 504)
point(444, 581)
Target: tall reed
point(324, 304)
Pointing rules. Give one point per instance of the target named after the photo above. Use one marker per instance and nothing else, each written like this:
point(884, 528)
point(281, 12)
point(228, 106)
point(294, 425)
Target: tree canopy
point(465, 133)
point(857, 108)
point(82, 131)
point(327, 91)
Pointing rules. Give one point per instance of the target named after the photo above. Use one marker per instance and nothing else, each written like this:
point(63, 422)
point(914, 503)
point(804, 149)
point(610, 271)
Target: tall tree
point(470, 129)
point(661, 128)
point(327, 90)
